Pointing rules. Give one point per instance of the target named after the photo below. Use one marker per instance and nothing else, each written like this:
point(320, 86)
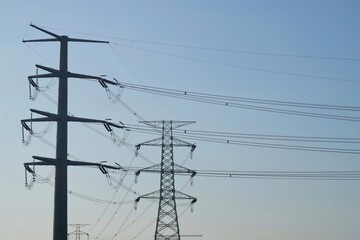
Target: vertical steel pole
point(60, 193)
point(60, 198)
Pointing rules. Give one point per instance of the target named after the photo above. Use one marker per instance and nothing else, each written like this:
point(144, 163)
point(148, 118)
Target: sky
point(249, 49)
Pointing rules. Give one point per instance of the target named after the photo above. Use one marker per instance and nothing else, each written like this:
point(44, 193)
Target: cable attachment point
point(136, 203)
point(26, 141)
point(35, 85)
point(137, 150)
point(109, 129)
point(30, 185)
point(192, 151)
point(192, 178)
point(33, 94)
point(137, 173)
point(113, 97)
point(192, 205)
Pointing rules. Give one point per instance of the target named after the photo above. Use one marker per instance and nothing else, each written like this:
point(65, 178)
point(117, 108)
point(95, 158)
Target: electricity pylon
point(78, 232)
point(61, 162)
point(167, 226)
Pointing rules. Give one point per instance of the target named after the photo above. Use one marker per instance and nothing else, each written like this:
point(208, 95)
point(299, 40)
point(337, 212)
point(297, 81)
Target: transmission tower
point(61, 162)
point(167, 226)
point(78, 233)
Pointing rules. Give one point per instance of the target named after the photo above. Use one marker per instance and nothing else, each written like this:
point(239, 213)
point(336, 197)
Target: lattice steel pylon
point(78, 233)
point(167, 226)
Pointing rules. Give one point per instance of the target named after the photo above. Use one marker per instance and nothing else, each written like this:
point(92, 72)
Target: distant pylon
point(78, 232)
point(167, 226)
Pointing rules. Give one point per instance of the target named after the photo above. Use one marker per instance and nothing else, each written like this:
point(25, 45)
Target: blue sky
point(227, 208)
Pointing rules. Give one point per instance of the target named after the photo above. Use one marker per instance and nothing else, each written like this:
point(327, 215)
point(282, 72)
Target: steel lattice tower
point(78, 232)
point(167, 226)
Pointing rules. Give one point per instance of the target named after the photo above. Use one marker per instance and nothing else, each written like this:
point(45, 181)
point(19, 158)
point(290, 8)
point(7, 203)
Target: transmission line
point(230, 99)
point(238, 66)
point(296, 175)
point(236, 139)
point(248, 103)
point(226, 50)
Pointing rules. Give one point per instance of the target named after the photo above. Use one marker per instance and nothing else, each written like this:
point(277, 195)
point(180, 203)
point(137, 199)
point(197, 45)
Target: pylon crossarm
point(181, 195)
point(86, 40)
point(175, 124)
point(45, 31)
point(155, 124)
point(152, 195)
point(48, 118)
point(46, 75)
point(89, 120)
point(180, 169)
point(181, 143)
point(28, 164)
point(48, 69)
point(84, 76)
point(153, 168)
point(52, 161)
point(58, 38)
point(154, 142)
point(41, 40)
point(47, 114)
point(44, 119)
point(81, 163)
point(157, 168)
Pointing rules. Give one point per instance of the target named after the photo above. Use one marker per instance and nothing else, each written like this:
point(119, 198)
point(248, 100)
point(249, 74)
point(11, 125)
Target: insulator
point(118, 165)
point(31, 115)
point(136, 205)
point(191, 181)
point(116, 81)
point(26, 182)
point(102, 83)
point(22, 134)
point(192, 208)
point(107, 127)
point(28, 169)
point(136, 178)
point(33, 83)
point(30, 95)
point(136, 153)
point(26, 126)
point(108, 179)
point(103, 170)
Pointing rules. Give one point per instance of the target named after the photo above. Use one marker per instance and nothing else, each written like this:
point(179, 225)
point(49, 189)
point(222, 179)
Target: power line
point(241, 102)
point(139, 80)
point(238, 66)
point(226, 98)
point(311, 139)
point(296, 175)
point(226, 138)
point(226, 50)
